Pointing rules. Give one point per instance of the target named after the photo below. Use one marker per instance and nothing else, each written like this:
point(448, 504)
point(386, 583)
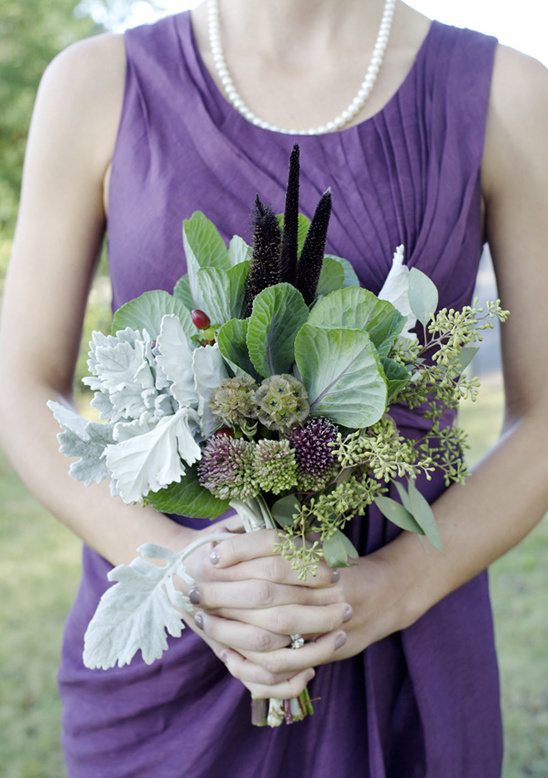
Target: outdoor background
point(39, 562)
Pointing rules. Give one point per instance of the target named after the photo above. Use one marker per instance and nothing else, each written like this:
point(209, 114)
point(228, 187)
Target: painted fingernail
point(335, 575)
point(223, 656)
point(340, 641)
point(199, 620)
point(347, 615)
point(194, 596)
point(214, 557)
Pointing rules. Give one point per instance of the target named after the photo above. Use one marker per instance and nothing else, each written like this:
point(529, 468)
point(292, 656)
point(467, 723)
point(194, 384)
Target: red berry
point(225, 431)
point(200, 319)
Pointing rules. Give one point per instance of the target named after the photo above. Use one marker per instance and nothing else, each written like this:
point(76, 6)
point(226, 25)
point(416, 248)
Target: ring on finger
point(297, 641)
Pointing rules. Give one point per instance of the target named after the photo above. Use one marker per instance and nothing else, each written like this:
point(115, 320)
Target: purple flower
point(226, 468)
point(313, 452)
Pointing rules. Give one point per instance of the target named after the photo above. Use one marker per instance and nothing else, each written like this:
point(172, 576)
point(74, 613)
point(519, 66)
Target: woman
point(449, 148)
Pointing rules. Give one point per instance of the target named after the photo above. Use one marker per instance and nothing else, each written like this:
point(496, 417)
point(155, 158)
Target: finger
point(259, 593)
point(262, 683)
point(292, 661)
point(253, 555)
point(292, 619)
point(249, 545)
point(238, 635)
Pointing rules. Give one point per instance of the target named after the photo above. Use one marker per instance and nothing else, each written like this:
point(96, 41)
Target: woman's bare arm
point(58, 238)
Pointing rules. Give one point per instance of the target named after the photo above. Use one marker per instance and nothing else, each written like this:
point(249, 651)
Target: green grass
point(38, 580)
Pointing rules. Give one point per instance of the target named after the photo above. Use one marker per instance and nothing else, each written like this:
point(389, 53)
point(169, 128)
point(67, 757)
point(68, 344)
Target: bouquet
point(265, 383)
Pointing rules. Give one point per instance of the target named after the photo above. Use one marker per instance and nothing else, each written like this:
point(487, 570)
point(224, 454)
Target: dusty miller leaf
point(135, 614)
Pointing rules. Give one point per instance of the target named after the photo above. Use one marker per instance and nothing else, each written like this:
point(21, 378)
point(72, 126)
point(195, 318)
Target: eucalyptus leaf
point(350, 277)
point(423, 295)
point(278, 314)
point(342, 374)
point(188, 498)
point(283, 511)
point(423, 515)
point(146, 313)
point(397, 377)
point(232, 341)
point(360, 309)
point(337, 549)
point(465, 357)
point(404, 497)
point(398, 515)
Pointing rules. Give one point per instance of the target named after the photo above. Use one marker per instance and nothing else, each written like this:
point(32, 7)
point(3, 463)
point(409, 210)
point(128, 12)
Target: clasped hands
point(249, 601)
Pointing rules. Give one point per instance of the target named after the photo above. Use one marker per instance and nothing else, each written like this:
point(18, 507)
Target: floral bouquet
point(264, 383)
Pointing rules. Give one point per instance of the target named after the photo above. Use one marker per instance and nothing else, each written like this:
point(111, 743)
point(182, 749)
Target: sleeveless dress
point(423, 703)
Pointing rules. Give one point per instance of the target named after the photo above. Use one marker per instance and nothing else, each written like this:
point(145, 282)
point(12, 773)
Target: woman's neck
point(299, 63)
point(300, 29)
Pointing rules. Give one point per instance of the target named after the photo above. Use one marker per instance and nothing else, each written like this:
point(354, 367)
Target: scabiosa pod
point(282, 403)
point(275, 465)
point(234, 401)
point(227, 468)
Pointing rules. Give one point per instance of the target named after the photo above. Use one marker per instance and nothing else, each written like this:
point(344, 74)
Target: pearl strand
point(214, 29)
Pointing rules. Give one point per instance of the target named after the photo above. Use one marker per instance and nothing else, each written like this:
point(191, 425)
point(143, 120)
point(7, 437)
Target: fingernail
point(347, 615)
point(223, 656)
point(199, 620)
point(335, 575)
point(194, 596)
point(340, 641)
point(309, 676)
point(214, 557)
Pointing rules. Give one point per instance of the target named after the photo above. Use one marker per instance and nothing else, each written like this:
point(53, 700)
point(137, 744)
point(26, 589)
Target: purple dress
point(423, 703)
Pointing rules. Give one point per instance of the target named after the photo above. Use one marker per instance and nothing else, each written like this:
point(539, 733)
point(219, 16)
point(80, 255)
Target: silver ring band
point(297, 641)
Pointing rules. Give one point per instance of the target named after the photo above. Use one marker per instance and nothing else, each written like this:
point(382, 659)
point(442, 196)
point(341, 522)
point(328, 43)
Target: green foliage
point(146, 312)
point(32, 33)
point(278, 314)
point(187, 497)
point(341, 371)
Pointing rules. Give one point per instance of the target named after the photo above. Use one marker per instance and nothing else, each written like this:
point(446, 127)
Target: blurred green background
point(40, 560)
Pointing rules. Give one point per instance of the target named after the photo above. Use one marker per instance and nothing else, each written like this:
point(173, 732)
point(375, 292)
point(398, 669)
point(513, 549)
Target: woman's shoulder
point(88, 70)
point(517, 124)
point(80, 98)
point(520, 82)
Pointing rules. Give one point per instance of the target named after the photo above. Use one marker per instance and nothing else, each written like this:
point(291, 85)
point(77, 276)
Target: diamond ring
point(297, 641)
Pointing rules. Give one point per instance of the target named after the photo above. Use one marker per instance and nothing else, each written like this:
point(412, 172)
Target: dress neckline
point(184, 26)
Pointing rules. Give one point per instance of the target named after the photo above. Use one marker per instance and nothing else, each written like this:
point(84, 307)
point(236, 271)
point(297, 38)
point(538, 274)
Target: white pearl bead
point(214, 30)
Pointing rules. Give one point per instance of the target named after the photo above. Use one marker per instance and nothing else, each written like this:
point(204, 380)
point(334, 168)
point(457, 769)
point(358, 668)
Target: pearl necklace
point(214, 29)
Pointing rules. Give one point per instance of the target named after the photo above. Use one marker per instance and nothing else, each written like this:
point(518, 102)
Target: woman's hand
point(250, 602)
